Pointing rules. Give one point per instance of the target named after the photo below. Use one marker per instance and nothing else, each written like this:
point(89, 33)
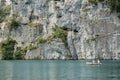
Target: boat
point(94, 62)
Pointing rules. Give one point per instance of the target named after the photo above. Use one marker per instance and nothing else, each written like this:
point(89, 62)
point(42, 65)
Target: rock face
point(92, 30)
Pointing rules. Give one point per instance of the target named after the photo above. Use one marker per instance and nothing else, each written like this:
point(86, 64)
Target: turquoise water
point(58, 70)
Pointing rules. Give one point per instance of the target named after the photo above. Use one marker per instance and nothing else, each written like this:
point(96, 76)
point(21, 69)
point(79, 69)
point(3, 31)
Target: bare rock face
point(92, 30)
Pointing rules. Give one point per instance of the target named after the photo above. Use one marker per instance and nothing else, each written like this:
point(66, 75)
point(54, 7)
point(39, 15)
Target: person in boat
point(98, 61)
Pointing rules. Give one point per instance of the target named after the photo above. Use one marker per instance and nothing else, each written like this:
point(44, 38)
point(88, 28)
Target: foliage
point(37, 58)
point(69, 56)
point(60, 33)
point(20, 53)
point(56, 0)
point(13, 22)
point(7, 9)
point(93, 1)
point(8, 52)
point(75, 33)
point(4, 11)
point(101, 0)
point(7, 49)
point(32, 24)
point(113, 4)
point(50, 38)
point(41, 40)
point(31, 47)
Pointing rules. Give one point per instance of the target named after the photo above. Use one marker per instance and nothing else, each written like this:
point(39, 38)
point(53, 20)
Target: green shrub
point(4, 11)
point(56, 0)
point(32, 24)
point(114, 5)
point(37, 58)
point(93, 1)
point(101, 0)
point(7, 9)
point(7, 49)
point(41, 40)
point(60, 33)
point(13, 23)
point(20, 53)
point(50, 38)
point(8, 52)
point(75, 33)
point(32, 47)
point(2, 15)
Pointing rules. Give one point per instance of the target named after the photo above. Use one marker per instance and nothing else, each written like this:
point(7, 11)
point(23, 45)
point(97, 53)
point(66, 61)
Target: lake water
point(59, 70)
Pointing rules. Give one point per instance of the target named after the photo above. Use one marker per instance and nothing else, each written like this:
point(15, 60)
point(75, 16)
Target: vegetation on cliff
point(12, 23)
point(60, 33)
point(114, 5)
point(4, 12)
point(31, 24)
point(7, 49)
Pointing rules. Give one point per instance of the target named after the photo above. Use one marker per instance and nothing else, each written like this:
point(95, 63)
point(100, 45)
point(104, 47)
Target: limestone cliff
point(61, 29)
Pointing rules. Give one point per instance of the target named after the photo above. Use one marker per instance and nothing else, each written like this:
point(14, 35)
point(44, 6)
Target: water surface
point(58, 70)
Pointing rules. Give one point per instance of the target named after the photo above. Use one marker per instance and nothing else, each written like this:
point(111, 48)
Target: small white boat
point(94, 63)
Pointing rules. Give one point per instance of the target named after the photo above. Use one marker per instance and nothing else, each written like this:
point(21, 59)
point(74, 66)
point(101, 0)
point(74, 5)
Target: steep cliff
point(60, 29)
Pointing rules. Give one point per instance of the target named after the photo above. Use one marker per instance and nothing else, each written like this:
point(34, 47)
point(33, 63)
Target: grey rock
point(96, 28)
